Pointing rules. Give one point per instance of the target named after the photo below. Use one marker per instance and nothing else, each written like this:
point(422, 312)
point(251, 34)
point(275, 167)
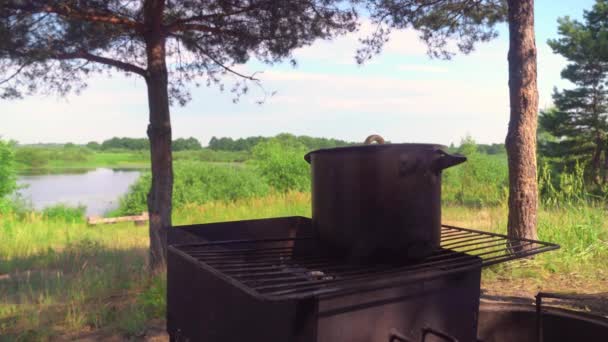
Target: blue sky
point(401, 94)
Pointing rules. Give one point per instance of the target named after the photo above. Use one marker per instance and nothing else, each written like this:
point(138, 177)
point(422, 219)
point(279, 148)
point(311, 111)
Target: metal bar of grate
point(284, 269)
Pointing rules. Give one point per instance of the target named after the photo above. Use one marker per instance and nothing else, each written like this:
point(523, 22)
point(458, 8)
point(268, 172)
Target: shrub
point(72, 154)
point(198, 183)
point(63, 212)
point(281, 162)
point(208, 155)
point(8, 172)
point(32, 157)
point(481, 181)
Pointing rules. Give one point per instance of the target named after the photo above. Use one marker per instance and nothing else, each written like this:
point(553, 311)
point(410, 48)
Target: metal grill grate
point(282, 269)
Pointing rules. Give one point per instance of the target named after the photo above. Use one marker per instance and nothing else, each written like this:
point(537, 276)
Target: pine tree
point(580, 117)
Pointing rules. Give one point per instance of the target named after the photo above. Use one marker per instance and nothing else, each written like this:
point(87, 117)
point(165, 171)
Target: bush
point(32, 157)
point(63, 212)
point(198, 183)
point(483, 180)
point(208, 155)
point(8, 172)
point(281, 162)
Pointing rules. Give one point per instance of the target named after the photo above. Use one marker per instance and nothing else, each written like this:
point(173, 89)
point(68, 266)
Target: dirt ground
point(155, 332)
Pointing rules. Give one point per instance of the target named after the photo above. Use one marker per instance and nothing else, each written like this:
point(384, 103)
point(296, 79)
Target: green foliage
point(93, 145)
point(136, 199)
point(568, 188)
point(63, 212)
point(481, 181)
point(198, 183)
point(444, 25)
point(70, 154)
point(579, 121)
point(229, 144)
point(8, 173)
point(247, 144)
point(182, 144)
point(209, 155)
point(32, 157)
point(281, 162)
point(152, 299)
point(125, 144)
point(492, 148)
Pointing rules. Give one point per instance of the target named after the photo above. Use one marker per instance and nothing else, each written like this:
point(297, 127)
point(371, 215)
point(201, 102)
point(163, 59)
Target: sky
point(401, 94)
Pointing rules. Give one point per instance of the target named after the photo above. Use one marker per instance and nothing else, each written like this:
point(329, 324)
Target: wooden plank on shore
point(138, 219)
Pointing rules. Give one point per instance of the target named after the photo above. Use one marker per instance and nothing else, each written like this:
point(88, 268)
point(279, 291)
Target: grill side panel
point(203, 307)
point(449, 304)
point(280, 227)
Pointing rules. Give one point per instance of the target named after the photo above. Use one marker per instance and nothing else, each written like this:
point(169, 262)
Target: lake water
point(99, 189)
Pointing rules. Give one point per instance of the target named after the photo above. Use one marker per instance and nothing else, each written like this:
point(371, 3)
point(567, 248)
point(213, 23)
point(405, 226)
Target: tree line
point(246, 144)
point(138, 144)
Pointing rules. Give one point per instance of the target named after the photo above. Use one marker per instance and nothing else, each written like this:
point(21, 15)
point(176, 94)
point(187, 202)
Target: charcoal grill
point(272, 280)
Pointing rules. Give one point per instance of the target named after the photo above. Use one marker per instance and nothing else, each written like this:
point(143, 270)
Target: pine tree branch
point(124, 66)
point(223, 66)
point(6, 80)
point(179, 25)
point(66, 11)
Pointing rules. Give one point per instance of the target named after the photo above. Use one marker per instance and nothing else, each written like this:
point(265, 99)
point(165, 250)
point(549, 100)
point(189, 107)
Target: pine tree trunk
point(605, 178)
point(596, 167)
point(521, 136)
point(159, 133)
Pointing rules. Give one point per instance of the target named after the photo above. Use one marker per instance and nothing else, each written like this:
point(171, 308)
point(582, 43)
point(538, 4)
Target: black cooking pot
point(379, 202)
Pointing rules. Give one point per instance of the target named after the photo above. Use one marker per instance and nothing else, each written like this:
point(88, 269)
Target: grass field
point(59, 278)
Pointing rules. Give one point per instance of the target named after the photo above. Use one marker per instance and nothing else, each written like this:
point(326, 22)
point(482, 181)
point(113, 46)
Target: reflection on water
point(99, 189)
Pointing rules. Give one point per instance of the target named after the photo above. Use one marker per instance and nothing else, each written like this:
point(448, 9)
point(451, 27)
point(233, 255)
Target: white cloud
point(341, 50)
point(422, 68)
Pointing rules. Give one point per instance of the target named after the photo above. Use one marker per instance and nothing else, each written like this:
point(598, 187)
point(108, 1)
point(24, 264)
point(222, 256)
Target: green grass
point(578, 266)
point(60, 277)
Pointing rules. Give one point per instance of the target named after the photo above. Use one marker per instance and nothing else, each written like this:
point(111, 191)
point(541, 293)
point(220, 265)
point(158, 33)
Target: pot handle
point(374, 138)
point(446, 160)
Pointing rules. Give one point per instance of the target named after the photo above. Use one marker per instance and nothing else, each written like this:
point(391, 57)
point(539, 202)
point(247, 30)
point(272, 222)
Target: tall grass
point(58, 275)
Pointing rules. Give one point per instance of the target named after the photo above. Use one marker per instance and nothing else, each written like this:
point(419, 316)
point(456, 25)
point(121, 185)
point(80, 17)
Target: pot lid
point(368, 147)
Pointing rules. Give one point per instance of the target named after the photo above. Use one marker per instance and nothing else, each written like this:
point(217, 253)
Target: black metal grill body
point(204, 304)
point(270, 280)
